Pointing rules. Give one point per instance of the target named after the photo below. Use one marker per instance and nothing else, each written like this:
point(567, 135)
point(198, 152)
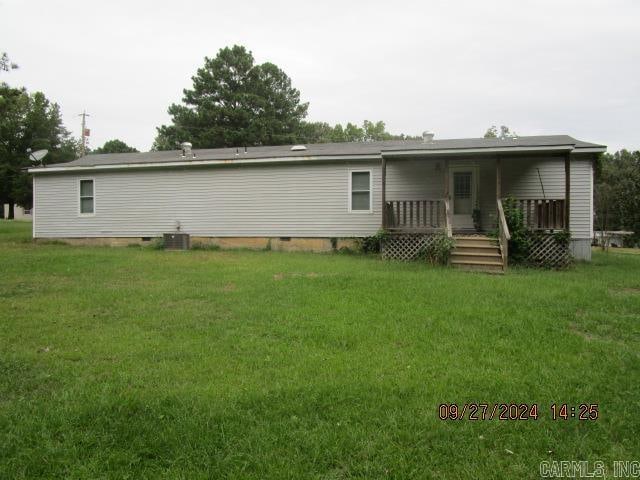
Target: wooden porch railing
point(503, 235)
point(419, 215)
point(543, 214)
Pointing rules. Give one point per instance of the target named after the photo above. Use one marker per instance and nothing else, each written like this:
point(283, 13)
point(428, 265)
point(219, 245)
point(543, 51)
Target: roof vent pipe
point(427, 136)
point(186, 149)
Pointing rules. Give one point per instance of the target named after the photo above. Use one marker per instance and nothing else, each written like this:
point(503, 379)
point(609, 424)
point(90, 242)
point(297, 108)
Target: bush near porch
point(140, 363)
point(534, 248)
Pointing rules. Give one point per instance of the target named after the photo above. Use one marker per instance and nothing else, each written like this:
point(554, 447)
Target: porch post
point(447, 217)
point(446, 178)
point(498, 179)
point(567, 190)
point(384, 192)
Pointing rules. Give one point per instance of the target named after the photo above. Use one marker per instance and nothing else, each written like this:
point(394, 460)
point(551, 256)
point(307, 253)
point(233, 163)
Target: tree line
point(617, 193)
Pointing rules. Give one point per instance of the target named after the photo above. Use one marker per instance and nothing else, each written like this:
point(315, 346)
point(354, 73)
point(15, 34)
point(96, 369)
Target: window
point(87, 206)
point(360, 200)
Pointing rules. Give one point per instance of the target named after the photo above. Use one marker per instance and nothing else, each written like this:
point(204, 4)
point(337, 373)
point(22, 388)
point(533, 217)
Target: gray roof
point(326, 149)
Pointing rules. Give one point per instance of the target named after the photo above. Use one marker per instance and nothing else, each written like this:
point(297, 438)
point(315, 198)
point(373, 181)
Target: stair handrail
point(503, 234)
point(447, 218)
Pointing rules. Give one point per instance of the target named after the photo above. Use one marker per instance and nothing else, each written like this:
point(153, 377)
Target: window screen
point(86, 196)
point(462, 193)
point(360, 191)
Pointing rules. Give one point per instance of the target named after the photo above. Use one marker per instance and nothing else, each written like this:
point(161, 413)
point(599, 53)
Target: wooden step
point(463, 241)
point(481, 266)
point(477, 253)
point(487, 257)
point(486, 243)
point(474, 237)
point(477, 249)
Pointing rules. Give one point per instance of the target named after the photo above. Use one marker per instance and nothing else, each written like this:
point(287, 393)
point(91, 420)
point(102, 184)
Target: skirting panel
point(581, 248)
point(547, 251)
point(405, 246)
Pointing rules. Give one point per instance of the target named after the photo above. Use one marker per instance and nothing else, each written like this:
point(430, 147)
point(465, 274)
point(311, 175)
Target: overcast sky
point(455, 67)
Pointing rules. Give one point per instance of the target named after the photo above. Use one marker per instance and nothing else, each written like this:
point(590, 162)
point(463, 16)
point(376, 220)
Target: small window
point(361, 191)
point(86, 197)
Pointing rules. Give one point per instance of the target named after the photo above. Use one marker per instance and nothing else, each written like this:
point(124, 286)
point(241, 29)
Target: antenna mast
point(85, 133)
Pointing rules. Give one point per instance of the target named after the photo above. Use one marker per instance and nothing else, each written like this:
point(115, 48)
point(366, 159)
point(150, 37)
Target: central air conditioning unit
point(176, 241)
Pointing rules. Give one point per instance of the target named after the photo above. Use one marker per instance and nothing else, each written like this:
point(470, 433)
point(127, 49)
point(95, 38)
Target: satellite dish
point(38, 155)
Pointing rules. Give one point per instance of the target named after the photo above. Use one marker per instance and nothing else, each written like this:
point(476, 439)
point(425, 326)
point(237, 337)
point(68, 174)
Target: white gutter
point(200, 163)
point(590, 150)
point(459, 151)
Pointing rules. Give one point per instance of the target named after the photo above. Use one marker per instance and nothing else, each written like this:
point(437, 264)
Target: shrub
point(157, 244)
point(204, 246)
point(373, 243)
point(520, 243)
point(522, 238)
point(438, 251)
point(563, 237)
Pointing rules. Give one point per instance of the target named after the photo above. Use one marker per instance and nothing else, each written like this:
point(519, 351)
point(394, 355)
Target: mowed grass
point(139, 363)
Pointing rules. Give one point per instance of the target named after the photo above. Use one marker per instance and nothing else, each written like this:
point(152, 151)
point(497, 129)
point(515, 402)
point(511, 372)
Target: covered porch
point(463, 196)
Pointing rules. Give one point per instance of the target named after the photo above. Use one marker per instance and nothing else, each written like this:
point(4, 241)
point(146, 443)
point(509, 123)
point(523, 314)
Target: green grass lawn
point(140, 363)
point(632, 251)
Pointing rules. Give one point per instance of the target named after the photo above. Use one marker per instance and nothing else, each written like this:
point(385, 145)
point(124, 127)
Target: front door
point(463, 196)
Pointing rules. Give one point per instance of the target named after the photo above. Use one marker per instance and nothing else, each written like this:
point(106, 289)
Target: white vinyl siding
point(415, 179)
point(289, 200)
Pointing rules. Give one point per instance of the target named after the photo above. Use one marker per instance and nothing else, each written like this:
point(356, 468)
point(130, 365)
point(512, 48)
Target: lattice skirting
point(548, 252)
point(405, 246)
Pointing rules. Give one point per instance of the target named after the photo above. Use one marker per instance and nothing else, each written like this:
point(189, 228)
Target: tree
point(28, 122)
point(315, 132)
point(492, 132)
point(353, 133)
point(322, 132)
point(235, 102)
point(617, 192)
point(13, 105)
point(375, 131)
point(6, 64)
point(115, 146)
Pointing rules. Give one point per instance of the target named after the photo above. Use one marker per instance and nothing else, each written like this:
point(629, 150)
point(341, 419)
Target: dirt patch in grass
point(20, 377)
point(625, 291)
point(635, 290)
point(282, 276)
point(581, 333)
point(230, 287)
point(610, 336)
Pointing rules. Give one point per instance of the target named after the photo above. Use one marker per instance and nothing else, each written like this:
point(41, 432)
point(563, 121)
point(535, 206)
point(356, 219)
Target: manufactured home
point(19, 213)
point(313, 196)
